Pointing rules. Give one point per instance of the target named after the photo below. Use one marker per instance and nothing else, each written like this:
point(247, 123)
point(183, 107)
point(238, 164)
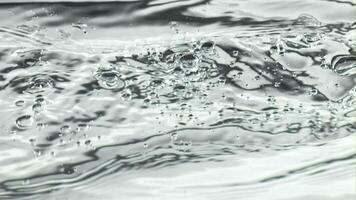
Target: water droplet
point(307, 20)
point(109, 79)
point(24, 122)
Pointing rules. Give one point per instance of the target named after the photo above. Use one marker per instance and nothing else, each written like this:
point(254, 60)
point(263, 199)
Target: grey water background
point(168, 99)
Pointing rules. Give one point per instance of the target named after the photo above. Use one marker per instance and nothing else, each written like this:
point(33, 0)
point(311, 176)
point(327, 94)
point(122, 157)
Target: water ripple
point(193, 99)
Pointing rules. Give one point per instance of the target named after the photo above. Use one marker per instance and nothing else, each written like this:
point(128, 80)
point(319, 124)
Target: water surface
point(164, 99)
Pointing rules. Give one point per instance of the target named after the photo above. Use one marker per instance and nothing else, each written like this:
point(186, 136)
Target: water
point(192, 99)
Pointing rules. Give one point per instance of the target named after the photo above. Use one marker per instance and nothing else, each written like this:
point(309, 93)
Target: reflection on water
point(177, 99)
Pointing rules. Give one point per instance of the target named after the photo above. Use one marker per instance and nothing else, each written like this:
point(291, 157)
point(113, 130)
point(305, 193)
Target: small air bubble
point(37, 108)
point(313, 92)
point(277, 84)
point(235, 53)
point(32, 141)
point(65, 129)
point(40, 126)
point(83, 127)
point(174, 26)
point(24, 122)
point(87, 142)
point(20, 103)
point(37, 152)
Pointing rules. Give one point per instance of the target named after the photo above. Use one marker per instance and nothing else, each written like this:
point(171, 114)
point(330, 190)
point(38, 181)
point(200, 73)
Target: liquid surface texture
point(165, 99)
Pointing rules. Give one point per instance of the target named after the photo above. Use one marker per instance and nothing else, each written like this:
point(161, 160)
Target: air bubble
point(37, 108)
point(323, 64)
point(83, 127)
point(277, 84)
point(307, 20)
point(40, 126)
point(207, 47)
point(65, 129)
point(109, 79)
point(87, 142)
point(37, 152)
point(313, 92)
point(24, 122)
point(344, 65)
point(20, 103)
point(174, 26)
point(145, 145)
point(32, 141)
point(311, 38)
point(271, 99)
point(189, 60)
point(81, 26)
point(39, 84)
point(235, 53)
point(126, 95)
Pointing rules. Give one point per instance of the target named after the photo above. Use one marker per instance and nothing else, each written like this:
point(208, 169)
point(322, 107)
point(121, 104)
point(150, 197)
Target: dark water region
point(169, 99)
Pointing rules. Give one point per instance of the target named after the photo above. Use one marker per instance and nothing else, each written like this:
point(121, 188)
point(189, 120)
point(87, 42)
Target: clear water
point(164, 99)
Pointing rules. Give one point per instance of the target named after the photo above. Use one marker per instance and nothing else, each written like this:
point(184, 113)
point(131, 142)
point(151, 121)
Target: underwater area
point(177, 99)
